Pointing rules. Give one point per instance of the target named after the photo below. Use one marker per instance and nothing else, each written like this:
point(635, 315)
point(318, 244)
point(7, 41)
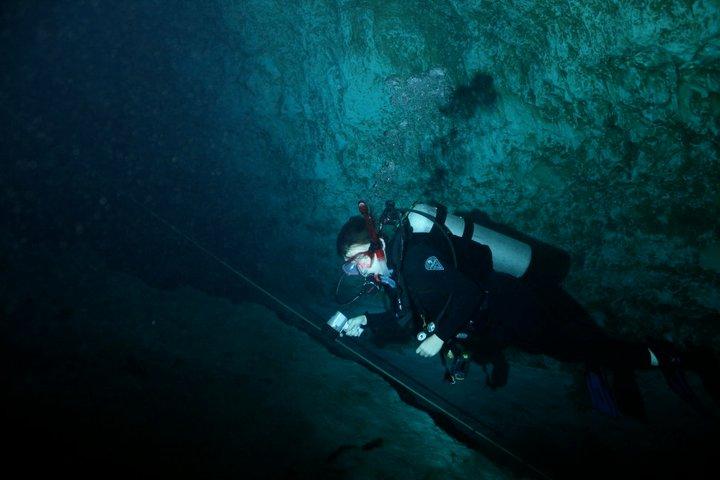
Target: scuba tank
point(509, 255)
point(513, 252)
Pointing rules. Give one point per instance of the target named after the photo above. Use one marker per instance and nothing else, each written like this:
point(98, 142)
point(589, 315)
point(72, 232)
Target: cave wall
point(589, 125)
point(258, 125)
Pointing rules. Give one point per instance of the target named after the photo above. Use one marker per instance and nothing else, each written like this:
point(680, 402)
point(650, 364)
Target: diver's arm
point(433, 287)
point(466, 299)
point(458, 313)
point(378, 320)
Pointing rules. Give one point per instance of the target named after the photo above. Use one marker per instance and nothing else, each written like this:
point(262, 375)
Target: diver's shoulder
point(419, 250)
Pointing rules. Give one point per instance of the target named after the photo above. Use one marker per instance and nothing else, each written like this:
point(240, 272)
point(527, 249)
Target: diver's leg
point(706, 363)
point(587, 343)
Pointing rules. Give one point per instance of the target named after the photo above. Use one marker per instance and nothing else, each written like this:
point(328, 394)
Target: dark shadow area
point(109, 101)
point(466, 100)
point(538, 417)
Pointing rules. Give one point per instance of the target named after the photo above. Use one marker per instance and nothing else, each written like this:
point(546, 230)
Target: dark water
point(255, 127)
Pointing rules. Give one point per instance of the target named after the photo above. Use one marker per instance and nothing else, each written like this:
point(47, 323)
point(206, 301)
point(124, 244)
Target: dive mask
point(358, 264)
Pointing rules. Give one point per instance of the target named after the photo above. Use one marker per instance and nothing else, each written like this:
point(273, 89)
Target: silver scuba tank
point(509, 255)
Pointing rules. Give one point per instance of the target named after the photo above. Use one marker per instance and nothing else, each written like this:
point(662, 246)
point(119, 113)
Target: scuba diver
point(460, 289)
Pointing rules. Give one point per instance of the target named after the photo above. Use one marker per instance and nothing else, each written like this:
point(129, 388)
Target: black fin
point(627, 394)
point(601, 395)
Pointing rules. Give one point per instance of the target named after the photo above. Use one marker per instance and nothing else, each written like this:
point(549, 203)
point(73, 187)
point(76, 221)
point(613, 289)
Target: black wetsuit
point(504, 310)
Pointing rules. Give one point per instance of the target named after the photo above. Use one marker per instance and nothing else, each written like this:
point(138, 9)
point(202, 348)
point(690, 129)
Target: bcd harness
point(454, 356)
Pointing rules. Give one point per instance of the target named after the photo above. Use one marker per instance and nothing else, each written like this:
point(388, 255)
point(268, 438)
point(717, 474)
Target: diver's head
point(354, 245)
point(354, 232)
point(361, 260)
